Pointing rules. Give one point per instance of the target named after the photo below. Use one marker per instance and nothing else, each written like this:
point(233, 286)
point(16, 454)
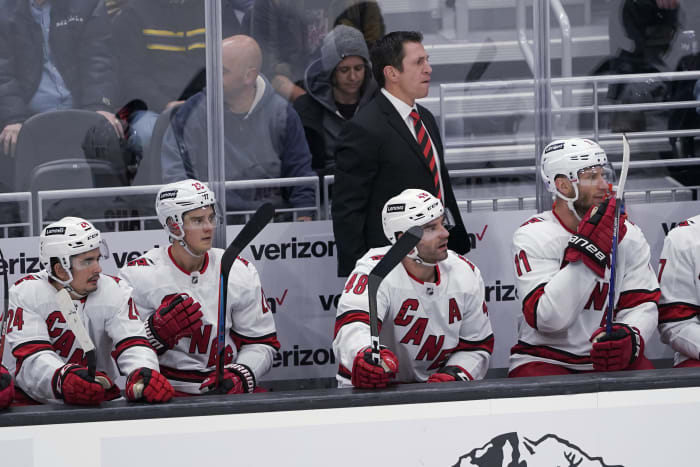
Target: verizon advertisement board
point(297, 265)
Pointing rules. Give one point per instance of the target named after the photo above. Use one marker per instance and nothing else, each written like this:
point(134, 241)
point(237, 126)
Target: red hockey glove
point(450, 373)
point(145, 384)
point(178, 316)
point(592, 242)
point(72, 383)
point(618, 350)
point(238, 378)
point(365, 374)
point(7, 388)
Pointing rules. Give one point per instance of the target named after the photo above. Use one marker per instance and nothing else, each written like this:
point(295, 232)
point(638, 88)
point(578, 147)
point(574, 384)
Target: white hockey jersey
point(563, 306)
point(251, 338)
point(427, 325)
point(39, 341)
point(679, 276)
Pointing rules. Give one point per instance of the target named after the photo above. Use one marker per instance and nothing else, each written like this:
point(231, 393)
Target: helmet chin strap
point(414, 256)
point(570, 201)
point(187, 249)
point(66, 284)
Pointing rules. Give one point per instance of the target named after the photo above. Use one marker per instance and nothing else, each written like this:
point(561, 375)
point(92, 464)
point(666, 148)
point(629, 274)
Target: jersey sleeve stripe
point(187, 376)
point(530, 305)
point(268, 339)
point(355, 316)
point(677, 311)
point(27, 349)
point(633, 298)
point(344, 372)
point(472, 346)
point(550, 353)
point(135, 341)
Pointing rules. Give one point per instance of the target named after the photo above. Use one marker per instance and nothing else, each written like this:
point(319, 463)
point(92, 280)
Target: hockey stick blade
point(249, 231)
point(391, 259)
point(65, 304)
point(619, 200)
point(5, 305)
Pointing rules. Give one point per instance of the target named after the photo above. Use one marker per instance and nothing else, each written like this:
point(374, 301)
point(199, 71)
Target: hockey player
point(433, 319)
point(7, 388)
point(176, 288)
point(560, 263)
point(679, 275)
point(42, 351)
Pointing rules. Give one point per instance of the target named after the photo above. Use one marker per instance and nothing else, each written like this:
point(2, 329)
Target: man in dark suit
point(392, 144)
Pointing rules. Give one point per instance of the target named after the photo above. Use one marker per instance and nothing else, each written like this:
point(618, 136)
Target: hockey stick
point(5, 304)
point(65, 304)
point(616, 229)
point(396, 253)
point(252, 228)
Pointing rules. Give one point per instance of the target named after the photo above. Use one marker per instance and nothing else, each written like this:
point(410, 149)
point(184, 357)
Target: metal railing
point(18, 199)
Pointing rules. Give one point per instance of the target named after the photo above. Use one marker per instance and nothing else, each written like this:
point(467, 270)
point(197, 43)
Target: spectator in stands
point(53, 55)
point(679, 306)
point(650, 25)
point(291, 32)
point(263, 135)
point(561, 265)
point(160, 47)
point(392, 144)
point(339, 83)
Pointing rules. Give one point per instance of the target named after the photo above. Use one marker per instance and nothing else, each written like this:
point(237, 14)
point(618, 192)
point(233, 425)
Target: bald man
point(263, 135)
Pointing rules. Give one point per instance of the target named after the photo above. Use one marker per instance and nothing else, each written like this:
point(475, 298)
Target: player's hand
point(145, 384)
point(7, 388)
point(450, 373)
point(238, 378)
point(618, 350)
point(8, 138)
point(72, 383)
point(178, 316)
point(592, 243)
point(366, 374)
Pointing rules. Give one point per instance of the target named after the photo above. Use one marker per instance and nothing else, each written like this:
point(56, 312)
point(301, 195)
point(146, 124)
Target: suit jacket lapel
point(399, 125)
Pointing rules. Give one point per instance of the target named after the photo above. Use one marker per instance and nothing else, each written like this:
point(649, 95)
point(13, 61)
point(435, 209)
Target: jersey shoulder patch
point(142, 261)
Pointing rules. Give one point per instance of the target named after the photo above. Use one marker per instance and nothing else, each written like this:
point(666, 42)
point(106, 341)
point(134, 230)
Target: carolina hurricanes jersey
point(427, 325)
point(679, 275)
point(563, 306)
point(251, 338)
point(39, 341)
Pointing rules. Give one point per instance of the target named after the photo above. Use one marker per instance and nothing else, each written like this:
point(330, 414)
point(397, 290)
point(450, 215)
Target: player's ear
point(59, 271)
point(564, 186)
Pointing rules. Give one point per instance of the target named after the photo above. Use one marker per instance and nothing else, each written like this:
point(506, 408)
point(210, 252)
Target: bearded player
point(433, 321)
point(561, 264)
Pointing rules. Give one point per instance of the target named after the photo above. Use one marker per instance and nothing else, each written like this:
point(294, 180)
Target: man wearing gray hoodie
point(338, 84)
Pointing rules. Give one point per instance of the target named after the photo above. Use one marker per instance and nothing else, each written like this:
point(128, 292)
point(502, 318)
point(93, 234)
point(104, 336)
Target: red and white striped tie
point(426, 149)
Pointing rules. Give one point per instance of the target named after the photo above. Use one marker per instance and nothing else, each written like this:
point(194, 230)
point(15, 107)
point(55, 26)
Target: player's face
point(349, 76)
point(86, 270)
point(199, 225)
point(593, 187)
point(433, 245)
point(414, 81)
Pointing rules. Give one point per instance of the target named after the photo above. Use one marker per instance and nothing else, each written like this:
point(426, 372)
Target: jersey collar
point(201, 271)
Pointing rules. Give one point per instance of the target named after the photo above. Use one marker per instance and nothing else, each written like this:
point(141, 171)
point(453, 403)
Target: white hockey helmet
point(175, 199)
point(410, 207)
point(68, 237)
point(567, 157)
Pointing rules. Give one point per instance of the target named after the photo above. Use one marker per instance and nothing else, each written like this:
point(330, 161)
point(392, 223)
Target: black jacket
point(377, 159)
point(80, 46)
